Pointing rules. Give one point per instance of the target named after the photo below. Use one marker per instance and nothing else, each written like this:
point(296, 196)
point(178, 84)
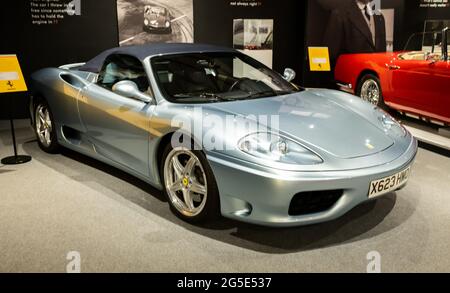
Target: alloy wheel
point(185, 182)
point(370, 92)
point(44, 125)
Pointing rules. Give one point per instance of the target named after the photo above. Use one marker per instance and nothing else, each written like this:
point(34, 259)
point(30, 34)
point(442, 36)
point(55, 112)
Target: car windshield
point(216, 77)
point(425, 46)
point(155, 10)
point(159, 11)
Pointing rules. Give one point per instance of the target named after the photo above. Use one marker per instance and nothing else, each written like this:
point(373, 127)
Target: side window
point(123, 67)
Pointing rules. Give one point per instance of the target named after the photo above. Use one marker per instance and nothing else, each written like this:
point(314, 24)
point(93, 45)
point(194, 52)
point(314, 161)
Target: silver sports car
point(222, 134)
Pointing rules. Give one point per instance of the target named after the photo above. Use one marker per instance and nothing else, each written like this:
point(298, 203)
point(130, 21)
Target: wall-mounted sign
point(45, 12)
point(246, 3)
point(11, 77)
point(434, 3)
point(319, 59)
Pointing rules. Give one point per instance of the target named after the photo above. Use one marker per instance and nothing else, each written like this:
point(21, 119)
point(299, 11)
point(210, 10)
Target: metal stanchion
point(16, 159)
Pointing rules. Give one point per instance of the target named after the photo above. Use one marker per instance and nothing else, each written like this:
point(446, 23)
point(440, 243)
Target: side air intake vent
point(72, 80)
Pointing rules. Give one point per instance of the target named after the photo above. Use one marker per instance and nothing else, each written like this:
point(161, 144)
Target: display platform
point(428, 133)
point(70, 202)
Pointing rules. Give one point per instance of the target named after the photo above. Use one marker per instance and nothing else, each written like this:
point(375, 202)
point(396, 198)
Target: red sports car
point(416, 83)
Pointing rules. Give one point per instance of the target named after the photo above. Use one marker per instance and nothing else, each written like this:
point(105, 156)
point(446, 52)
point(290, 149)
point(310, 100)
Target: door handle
point(392, 67)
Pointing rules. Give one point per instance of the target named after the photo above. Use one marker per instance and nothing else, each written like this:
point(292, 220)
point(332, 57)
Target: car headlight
point(146, 22)
point(167, 24)
point(389, 124)
point(273, 148)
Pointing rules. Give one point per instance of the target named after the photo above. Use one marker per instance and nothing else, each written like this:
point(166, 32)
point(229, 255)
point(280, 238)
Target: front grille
point(312, 202)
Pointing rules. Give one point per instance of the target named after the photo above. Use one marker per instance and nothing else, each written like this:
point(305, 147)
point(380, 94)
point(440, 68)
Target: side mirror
point(289, 74)
point(129, 89)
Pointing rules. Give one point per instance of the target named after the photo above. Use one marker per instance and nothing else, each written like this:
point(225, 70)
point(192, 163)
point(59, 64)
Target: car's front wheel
point(369, 89)
point(44, 127)
point(190, 185)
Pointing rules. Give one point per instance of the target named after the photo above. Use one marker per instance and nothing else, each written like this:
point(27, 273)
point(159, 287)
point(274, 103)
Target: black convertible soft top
point(143, 51)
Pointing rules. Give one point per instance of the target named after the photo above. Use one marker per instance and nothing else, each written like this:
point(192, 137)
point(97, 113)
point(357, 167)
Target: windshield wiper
point(268, 94)
point(213, 96)
point(206, 95)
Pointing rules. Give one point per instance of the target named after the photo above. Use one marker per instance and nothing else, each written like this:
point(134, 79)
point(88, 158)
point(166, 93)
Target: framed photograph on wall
point(155, 21)
point(254, 37)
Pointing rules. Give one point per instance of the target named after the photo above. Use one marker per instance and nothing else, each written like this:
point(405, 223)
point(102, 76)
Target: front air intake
point(313, 202)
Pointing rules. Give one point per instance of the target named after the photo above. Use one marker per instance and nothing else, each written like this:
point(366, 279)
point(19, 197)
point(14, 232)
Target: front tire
point(369, 89)
point(44, 127)
point(189, 185)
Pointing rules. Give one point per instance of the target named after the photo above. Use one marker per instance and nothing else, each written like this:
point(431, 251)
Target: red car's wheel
point(369, 89)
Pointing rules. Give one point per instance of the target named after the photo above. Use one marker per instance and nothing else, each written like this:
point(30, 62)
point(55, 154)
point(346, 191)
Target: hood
point(317, 120)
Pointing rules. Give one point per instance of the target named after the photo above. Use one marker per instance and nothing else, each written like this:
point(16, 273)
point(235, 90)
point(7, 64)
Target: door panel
point(117, 127)
point(421, 85)
point(439, 103)
point(408, 79)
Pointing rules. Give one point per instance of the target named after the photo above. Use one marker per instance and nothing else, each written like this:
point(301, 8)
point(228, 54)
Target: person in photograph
point(355, 28)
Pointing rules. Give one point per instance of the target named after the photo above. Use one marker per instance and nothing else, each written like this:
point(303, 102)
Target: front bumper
point(157, 27)
point(346, 87)
point(262, 196)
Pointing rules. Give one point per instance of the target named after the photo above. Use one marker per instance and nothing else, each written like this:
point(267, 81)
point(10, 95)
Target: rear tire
point(369, 90)
point(44, 127)
point(189, 185)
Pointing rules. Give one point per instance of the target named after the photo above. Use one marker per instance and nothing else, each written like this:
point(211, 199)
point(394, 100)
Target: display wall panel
point(214, 22)
point(80, 37)
point(42, 37)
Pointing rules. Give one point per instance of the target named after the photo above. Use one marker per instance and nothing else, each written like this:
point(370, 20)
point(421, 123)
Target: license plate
point(388, 184)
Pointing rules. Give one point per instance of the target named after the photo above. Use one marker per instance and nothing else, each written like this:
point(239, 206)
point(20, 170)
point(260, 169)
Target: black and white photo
point(155, 21)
